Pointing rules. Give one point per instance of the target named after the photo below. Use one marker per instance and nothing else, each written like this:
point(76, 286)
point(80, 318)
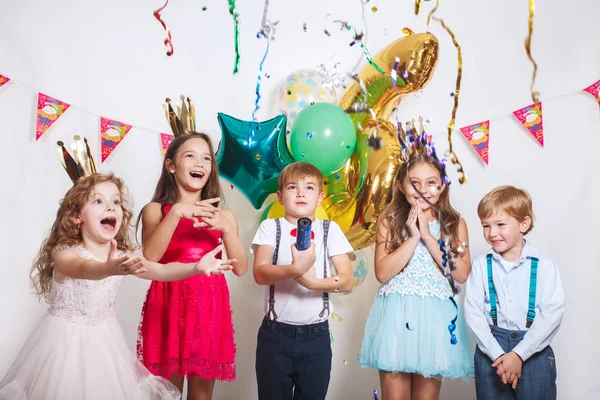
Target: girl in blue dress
point(415, 334)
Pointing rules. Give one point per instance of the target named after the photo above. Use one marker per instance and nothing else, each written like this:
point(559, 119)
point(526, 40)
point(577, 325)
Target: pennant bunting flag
point(112, 134)
point(531, 118)
point(165, 141)
point(3, 80)
point(593, 89)
point(48, 111)
point(479, 137)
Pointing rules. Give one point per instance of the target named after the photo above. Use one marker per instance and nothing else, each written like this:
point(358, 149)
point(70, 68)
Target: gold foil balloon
point(371, 200)
point(357, 192)
point(417, 54)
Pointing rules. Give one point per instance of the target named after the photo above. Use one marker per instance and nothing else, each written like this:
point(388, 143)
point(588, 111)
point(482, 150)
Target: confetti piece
point(203, 8)
point(326, 32)
point(309, 135)
point(304, 26)
point(346, 362)
point(374, 9)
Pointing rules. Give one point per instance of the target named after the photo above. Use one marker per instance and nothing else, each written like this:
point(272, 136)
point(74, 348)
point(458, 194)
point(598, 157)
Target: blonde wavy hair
point(66, 233)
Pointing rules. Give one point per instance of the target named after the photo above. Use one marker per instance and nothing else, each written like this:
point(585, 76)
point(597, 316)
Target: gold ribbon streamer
point(418, 6)
point(453, 158)
point(534, 94)
point(433, 10)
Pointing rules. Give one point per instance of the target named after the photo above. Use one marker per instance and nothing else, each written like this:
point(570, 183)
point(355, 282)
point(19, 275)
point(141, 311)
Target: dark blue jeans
point(293, 361)
point(538, 375)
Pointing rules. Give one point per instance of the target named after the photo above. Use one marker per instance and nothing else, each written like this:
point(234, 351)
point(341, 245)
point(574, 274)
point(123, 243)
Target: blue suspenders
point(532, 291)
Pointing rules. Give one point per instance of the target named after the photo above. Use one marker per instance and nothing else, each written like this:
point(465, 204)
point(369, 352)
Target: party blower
point(303, 233)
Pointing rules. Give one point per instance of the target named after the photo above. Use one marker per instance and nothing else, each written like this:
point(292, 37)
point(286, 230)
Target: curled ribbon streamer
point(433, 10)
point(258, 83)
point(358, 37)
point(263, 22)
point(168, 41)
point(267, 31)
point(236, 22)
point(418, 6)
point(534, 94)
point(453, 158)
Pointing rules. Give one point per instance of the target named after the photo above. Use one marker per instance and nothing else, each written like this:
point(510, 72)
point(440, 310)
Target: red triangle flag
point(112, 134)
point(165, 141)
point(49, 110)
point(593, 89)
point(531, 118)
point(479, 137)
point(3, 80)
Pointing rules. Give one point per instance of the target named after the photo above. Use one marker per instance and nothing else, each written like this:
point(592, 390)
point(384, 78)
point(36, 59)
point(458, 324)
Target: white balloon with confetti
point(301, 89)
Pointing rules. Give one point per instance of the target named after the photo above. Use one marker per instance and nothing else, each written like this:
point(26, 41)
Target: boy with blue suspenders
point(293, 353)
point(514, 304)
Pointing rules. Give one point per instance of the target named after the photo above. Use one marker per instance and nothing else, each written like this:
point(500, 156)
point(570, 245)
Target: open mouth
point(109, 223)
point(197, 174)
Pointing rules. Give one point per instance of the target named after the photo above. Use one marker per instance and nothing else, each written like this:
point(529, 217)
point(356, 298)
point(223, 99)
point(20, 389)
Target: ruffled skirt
point(64, 360)
point(410, 334)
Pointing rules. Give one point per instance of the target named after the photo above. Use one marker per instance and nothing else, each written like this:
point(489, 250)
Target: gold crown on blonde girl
point(80, 162)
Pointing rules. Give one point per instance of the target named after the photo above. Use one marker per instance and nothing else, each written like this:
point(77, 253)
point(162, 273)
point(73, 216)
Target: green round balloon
point(323, 135)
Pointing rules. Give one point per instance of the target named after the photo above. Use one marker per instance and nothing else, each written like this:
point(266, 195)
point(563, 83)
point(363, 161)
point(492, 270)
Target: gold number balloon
point(358, 192)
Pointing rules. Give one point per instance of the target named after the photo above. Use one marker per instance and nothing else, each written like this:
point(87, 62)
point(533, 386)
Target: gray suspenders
point(271, 314)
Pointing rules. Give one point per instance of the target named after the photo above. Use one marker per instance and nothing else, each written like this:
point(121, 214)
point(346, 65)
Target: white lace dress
point(409, 325)
point(78, 352)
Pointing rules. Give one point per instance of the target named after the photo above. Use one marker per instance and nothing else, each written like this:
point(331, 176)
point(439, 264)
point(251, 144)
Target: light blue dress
point(408, 326)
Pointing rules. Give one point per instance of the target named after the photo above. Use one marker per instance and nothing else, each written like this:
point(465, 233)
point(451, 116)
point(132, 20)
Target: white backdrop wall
point(107, 58)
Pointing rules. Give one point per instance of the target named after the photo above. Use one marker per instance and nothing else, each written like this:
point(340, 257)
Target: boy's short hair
point(297, 171)
point(514, 202)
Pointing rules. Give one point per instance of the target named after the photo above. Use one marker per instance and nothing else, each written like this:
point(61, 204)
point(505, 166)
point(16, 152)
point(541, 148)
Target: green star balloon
point(252, 154)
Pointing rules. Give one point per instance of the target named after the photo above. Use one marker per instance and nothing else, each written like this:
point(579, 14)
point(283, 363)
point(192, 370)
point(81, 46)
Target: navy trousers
point(293, 361)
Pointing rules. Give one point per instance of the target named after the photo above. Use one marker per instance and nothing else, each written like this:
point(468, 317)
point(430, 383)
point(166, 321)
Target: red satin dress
point(186, 325)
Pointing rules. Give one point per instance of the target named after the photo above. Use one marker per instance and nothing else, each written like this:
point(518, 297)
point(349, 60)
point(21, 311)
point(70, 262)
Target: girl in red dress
point(186, 329)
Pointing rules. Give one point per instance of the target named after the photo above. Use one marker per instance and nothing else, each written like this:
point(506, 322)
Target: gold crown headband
point(81, 162)
point(184, 120)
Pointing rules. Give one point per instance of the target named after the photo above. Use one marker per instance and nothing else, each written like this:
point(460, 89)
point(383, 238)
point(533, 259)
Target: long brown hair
point(166, 188)
point(66, 233)
point(396, 213)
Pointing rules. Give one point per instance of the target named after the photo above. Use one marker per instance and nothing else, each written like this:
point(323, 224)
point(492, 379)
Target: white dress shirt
point(512, 300)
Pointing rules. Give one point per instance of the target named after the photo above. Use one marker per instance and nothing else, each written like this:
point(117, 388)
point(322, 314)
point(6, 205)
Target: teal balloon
point(252, 154)
point(323, 135)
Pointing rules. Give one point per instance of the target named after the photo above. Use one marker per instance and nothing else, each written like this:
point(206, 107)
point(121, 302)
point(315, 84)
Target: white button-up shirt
point(512, 300)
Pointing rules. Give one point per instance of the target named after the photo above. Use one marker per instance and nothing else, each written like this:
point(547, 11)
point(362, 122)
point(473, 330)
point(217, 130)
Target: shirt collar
point(528, 251)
